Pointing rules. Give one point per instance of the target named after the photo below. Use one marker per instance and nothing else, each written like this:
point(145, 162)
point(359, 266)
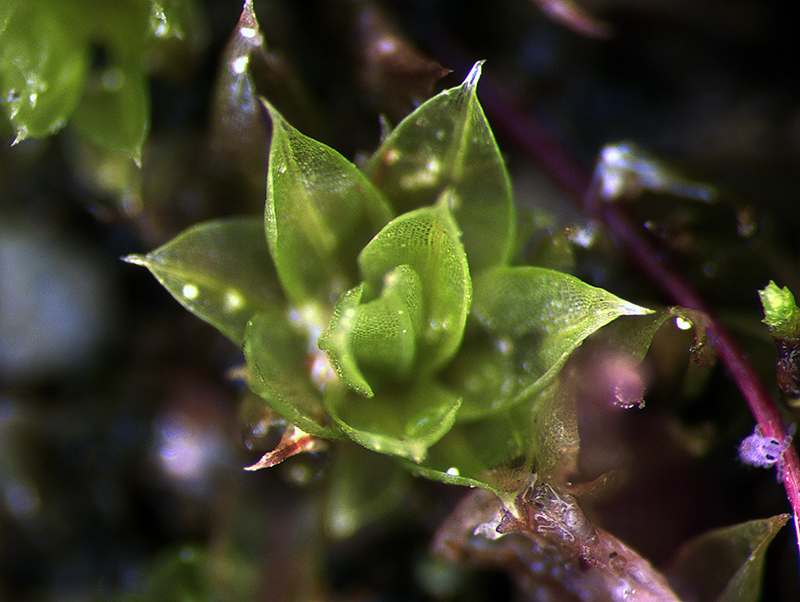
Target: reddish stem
point(544, 151)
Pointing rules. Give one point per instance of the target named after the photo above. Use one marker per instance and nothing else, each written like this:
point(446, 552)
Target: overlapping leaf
point(43, 66)
point(67, 59)
point(416, 272)
point(403, 422)
point(447, 144)
point(278, 358)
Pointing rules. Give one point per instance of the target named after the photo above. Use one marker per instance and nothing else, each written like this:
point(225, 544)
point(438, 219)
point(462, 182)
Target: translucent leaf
point(220, 271)
point(447, 143)
point(278, 357)
point(404, 421)
point(493, 454)
point(43, 66)
point(115, 109)
point(427, 241)
point(239, 133)
point(529, 321)
point(725, 565)
point(500, 452)
point(320, 212)
point(364, 487)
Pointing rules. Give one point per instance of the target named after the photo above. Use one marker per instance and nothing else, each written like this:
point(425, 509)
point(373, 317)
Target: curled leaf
point(402, 422)
point(408, 316)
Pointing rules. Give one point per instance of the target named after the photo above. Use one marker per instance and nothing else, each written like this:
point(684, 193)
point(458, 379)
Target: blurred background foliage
point(120, 432)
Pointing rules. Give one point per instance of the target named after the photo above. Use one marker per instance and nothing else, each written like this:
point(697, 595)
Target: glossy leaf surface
point(447, 144)
point(220, 271)
point(320, 212)
point(529, 320)
point(411, 309)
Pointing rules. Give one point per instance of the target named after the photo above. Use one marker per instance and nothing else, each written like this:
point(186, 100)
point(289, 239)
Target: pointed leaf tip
point(471, 81)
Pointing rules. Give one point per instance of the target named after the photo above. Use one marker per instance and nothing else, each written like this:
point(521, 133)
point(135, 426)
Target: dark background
point(120, 446)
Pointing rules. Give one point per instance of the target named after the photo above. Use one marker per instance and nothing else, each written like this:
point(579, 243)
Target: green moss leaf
point(528, 321)
point(364, 487)
point(281, 363)
point(404, 421)
point(320, 212)
point(447, 144)
point(43, 67)
point(499, 452)
point(725, 565)
point(409, 314)
point(220, 271)
point(426, 240)
point(379, 337)
point(115, 110)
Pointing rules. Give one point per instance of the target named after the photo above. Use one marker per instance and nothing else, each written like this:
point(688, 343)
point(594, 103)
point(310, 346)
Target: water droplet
point(190, 291)
point(683, 323)
point(240, 65)
point(453, 471)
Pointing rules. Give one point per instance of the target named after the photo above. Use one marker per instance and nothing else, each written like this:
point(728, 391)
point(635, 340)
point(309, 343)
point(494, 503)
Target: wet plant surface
point(126, 422)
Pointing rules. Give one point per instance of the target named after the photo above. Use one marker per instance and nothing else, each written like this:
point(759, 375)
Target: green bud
point(781, 314)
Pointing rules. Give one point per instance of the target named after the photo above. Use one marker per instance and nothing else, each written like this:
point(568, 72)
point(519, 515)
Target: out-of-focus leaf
point(396, 76)
point(447, 144)
point(43, 66)
point(364, 487)
point(279, 360)
point(725, 565)
point(404, 421)
point(220, 271)
point(192, 574)
point(239, 133)
point(60, 56)
point(115, 109)
point(320, 212)
point(530, 320)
